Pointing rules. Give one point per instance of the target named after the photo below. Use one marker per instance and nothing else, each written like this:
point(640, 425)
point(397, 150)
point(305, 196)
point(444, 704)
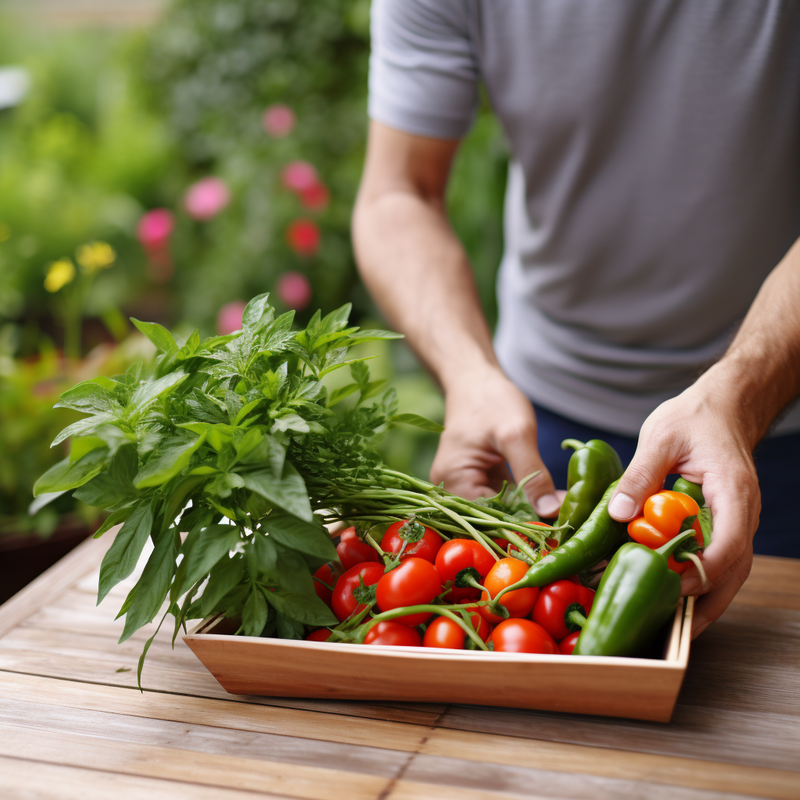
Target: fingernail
point(547, 505)
point(622, 506)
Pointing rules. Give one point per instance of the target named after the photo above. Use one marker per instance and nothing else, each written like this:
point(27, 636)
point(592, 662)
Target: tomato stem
point(443, 611)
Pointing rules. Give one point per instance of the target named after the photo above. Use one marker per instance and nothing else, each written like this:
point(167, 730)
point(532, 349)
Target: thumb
point(644, 476)
point(524, 459)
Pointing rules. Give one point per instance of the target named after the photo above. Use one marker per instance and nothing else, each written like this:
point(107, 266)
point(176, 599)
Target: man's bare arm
point(709, 431)
point(420, 276)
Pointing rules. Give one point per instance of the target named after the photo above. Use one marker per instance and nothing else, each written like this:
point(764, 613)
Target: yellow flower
point(5, 231)
point(59, 274)
point(95, 256)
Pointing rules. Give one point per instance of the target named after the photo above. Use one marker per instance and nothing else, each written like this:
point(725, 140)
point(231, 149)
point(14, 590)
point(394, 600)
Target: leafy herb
point(229, 454)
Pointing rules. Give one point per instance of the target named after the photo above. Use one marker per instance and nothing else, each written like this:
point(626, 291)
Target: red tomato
point(522, 636)
point(554, 601)
point(567, 644)
point(460, 554)
point(343, 603)
point(519, 602)
point(427, 547)
point(326, 576)
point(322, 635)
point(352, 550)
point(443, 632)
point(414, 582)
point(393, 633)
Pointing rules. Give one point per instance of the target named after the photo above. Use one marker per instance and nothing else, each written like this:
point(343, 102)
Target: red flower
point(206, 198)
point(294, 290)
point(299, 176)
point(154, 228)
point(302, 236)
point(316, 197)
point(229, 318)
point(279, 120)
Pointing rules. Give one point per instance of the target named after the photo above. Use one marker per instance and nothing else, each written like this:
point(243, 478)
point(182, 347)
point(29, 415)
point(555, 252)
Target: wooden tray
point(637, 688)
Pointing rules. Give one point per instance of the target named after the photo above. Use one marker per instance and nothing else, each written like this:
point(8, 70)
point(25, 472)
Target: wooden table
point(73, 725)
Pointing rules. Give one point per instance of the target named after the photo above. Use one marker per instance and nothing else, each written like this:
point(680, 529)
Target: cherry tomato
point(343, 602)
point(519, 602)
point(443, 632)
point(427, 547)
point(460, 554)
point(553, 602)
point(322, 635)
point(326, 576)
point(414, 582)
point(522, 636)
point(393, 633)
point(567, 644)
point(352, 550)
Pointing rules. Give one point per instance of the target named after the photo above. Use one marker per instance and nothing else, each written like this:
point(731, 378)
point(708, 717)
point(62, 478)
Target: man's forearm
point(760, 372)
point(418, 273)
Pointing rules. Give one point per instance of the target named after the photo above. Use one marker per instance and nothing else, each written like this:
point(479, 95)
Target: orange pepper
point(663, 518)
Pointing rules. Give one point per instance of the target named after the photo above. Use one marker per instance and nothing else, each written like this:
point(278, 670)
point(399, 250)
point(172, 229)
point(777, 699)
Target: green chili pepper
point(592, 467)
point(694, 490)
point(595, 539)
point(637, 595)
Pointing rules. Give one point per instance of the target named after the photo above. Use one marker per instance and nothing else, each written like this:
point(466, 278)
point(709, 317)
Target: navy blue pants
point(776, 462)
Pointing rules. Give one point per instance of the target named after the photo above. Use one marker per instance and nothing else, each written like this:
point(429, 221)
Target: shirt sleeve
point(423, 73)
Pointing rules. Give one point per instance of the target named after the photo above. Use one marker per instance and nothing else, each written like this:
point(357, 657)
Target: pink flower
point(206, 198)
point(294, 290)
point(316, 197)
point(279, 120)
point(299, 176)
point(229, 318)
point(302, 236)
point(154, 228)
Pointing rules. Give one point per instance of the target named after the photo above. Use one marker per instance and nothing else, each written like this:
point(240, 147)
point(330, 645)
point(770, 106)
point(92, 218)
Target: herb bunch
point(229, 454)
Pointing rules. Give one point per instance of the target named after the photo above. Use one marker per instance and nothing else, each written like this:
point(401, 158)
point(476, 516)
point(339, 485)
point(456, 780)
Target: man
point(652, 211)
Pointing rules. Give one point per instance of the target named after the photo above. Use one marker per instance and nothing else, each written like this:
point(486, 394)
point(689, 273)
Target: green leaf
point(371, 389)
point(706, 524)
point(113, 487)
point(255, 311)
point(297, 534)
point(65, 475)
point(44, 499)
point(419, 422)
point(290, 422)
point(164, 466)
point(368, 336)
point(289, 628)
point(82, 427)
point(254, 613)
point(149, 391)
point(225, 576)
point(152, 587)
point(287, 491)
point(158, 335)
point(91, 398)
point(360, 371)
point(120, 560)
point(146, 647)
point(306, 608)
point(202, 551)
point(111, 520)
point(339, 394)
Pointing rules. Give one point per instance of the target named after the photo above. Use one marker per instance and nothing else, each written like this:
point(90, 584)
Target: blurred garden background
point(168, 161)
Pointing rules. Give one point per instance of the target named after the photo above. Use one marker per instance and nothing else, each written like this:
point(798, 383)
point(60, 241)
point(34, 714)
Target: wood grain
point(772, 583)
point(35, 780)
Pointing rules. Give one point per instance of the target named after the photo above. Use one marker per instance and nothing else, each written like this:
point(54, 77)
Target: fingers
point(735, 504)
point(710, 607)
point(644, 476)
point(518, 444)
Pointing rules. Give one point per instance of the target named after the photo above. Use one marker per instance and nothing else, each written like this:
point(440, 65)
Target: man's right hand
point(490, 426)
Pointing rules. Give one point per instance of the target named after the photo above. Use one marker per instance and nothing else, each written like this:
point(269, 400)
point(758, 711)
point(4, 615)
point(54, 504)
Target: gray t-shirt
point(655, 179)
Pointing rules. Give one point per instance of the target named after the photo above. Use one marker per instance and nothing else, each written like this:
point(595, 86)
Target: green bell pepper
point(637, 595)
